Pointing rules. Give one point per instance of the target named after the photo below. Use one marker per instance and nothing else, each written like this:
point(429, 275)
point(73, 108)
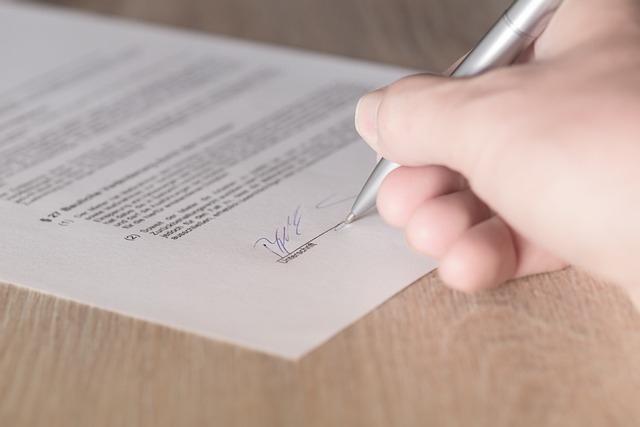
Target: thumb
point(497, 130)
point(432, 120)
point(466, 115)
point(396, 120)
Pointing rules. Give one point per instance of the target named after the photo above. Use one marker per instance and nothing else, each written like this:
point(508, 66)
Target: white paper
point(162, 175)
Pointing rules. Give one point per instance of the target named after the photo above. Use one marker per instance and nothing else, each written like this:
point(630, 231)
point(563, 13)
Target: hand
point(527, 168)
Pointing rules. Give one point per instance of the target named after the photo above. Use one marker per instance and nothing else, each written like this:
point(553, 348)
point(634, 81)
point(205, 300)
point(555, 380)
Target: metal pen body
point(510, 36)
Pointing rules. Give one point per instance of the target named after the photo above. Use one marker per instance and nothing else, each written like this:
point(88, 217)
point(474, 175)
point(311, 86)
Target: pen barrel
point(367, 198)
point(530, 17)
point(514, 32)
point(516, 29)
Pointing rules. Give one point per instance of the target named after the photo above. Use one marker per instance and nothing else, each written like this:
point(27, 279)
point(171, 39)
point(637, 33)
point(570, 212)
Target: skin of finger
point(404, 189)
point(534, 136)
point(408, 116)
point(482, 258)
point(491, 253)
point(532, 259)
point(542, 166)
point(420, 109)
point(438, 223)
point(567, 182)
point(554, 177)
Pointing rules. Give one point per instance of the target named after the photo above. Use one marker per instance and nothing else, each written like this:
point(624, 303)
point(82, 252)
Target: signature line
point(335, 227)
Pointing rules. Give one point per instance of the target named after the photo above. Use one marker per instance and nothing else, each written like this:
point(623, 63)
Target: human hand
point(522, 169)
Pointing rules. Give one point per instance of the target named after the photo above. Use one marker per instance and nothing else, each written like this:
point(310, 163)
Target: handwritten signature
point(278, 243)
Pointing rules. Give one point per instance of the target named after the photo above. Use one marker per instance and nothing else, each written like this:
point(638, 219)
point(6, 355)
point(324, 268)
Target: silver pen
point(515, 31)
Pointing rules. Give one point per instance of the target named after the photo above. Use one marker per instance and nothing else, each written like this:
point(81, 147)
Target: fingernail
point(367, 117)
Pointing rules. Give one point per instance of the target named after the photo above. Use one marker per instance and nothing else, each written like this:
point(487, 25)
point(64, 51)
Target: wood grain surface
point(560, 349)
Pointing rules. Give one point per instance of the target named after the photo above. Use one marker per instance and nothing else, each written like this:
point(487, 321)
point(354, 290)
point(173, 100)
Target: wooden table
point(557, 350)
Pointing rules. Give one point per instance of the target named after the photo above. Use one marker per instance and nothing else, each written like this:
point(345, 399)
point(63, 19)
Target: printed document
point(193, 181)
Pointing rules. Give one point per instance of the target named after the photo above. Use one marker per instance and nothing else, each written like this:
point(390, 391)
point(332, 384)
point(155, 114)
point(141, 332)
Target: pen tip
point(350, 218)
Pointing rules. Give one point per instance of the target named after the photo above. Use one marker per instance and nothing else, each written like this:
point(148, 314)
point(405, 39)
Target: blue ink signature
point(332, 201)
point(278, 244)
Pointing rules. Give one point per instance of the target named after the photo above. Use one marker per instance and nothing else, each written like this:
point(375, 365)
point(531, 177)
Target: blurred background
point(423, 34)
